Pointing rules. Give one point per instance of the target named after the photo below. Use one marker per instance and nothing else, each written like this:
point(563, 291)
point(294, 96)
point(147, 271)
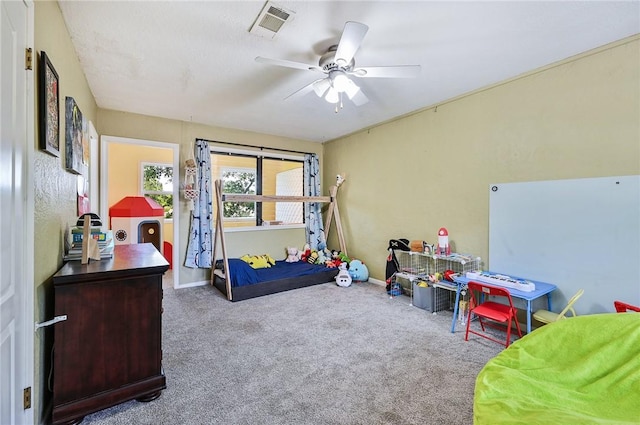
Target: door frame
point(25, 194)
point(104, 188)
point(28, 261)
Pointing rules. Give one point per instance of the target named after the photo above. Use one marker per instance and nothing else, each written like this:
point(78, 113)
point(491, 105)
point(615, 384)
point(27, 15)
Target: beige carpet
point(318, 355)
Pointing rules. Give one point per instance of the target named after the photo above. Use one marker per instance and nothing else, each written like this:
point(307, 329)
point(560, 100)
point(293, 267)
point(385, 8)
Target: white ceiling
point(194, 61)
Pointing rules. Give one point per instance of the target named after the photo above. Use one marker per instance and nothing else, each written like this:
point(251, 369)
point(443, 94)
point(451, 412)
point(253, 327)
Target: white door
point(16, 213)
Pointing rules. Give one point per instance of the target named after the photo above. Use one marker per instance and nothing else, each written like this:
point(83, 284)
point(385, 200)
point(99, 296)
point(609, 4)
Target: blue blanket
point(242, 274)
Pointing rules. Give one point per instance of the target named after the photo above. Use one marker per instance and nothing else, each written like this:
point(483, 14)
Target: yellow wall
point(55, 189)
point(432, 169)
point(124, 174)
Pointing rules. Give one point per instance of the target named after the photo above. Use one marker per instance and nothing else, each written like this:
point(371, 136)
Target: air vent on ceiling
point(270, 20)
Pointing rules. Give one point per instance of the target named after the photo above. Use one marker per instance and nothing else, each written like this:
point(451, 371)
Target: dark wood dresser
point(109, 350)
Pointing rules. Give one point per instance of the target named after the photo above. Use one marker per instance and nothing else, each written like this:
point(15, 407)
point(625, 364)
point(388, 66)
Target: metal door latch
point(51, 322)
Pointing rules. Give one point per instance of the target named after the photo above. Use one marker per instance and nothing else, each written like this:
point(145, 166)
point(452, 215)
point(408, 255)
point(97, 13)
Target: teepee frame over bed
point(332, 212)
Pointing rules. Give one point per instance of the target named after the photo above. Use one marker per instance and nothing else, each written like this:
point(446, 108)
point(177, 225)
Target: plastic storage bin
point(423, 297)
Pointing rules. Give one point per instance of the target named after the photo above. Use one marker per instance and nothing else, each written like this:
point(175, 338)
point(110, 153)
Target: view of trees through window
point(239, 181)
point(157, 184)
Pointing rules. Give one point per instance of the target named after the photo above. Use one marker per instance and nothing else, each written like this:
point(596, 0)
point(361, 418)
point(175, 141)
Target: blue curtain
point(313, 210)
point(200, 232)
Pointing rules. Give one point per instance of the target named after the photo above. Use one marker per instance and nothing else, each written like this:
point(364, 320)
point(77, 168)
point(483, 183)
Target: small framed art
point(49, 107)
point(75, 133)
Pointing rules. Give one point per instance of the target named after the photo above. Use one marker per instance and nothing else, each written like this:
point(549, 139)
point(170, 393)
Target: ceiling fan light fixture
point(332, 95)
point(340, 81)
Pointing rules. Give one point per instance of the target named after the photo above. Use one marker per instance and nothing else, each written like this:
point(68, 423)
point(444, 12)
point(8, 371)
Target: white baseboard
point(191, 284)
point(377, 281)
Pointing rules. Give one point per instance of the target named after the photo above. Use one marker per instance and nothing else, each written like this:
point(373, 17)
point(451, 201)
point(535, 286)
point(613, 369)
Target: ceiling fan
point(338, 65)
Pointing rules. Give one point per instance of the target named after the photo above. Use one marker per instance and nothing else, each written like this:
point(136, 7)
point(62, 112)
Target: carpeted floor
point(318, 355)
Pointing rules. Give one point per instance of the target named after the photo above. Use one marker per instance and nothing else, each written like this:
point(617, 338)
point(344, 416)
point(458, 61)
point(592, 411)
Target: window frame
point(144, 192)
point(258, 156)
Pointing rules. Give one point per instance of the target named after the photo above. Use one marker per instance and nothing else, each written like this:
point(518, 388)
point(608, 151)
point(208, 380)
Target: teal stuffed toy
point(358, 271)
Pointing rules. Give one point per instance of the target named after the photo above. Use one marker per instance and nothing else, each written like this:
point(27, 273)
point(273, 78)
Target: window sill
point(264, 228)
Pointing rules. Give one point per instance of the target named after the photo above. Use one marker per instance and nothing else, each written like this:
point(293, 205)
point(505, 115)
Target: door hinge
point(27, 398)
point(28, 59)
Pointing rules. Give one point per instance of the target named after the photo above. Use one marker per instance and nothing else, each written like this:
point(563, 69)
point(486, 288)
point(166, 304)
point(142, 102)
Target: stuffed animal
point(344, 257)
point(358, 271)
point(343, 278)
point(293, 255)
point(339, 257)
point(313, 257)
point(258, 261)
point(331, 264)
point(322, 258)
point(322, 247)
point(306, 252)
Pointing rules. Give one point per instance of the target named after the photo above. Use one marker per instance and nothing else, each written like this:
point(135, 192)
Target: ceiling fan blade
point(399, 71)
point(321, 86)
point(306, 89)
point(359, 98)
point(350, 41)
point(288, 64)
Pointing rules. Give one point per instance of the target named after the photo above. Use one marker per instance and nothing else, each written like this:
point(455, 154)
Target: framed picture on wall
point(74, 136)
point(49, 107)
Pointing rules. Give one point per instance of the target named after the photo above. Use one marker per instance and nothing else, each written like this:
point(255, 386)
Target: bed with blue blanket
point(247, 282)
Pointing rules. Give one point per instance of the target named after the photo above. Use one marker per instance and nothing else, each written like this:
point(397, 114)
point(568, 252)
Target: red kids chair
point(492, 310)
point(624, 307)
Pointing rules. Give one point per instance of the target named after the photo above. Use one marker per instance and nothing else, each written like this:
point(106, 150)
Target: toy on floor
point(358, 271)
point(343, 278)
point(396, 290)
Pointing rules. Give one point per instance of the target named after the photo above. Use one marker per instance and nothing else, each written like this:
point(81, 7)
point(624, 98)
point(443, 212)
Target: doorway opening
point(121, 160)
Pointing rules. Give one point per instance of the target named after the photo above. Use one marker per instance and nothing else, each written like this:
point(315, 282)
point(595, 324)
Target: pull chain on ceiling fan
point(338, 65)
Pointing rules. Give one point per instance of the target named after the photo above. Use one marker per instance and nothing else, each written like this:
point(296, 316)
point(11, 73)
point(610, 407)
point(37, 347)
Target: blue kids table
point(542, 289)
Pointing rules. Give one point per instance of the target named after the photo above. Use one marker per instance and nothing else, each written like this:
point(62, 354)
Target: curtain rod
point(257, 147)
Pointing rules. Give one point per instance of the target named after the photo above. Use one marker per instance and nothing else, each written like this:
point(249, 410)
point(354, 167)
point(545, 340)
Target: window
point(239, 180)
point(265, 175)
point(157, 184)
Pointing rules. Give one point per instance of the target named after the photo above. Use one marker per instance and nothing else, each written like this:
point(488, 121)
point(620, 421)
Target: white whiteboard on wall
point(579, 233)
